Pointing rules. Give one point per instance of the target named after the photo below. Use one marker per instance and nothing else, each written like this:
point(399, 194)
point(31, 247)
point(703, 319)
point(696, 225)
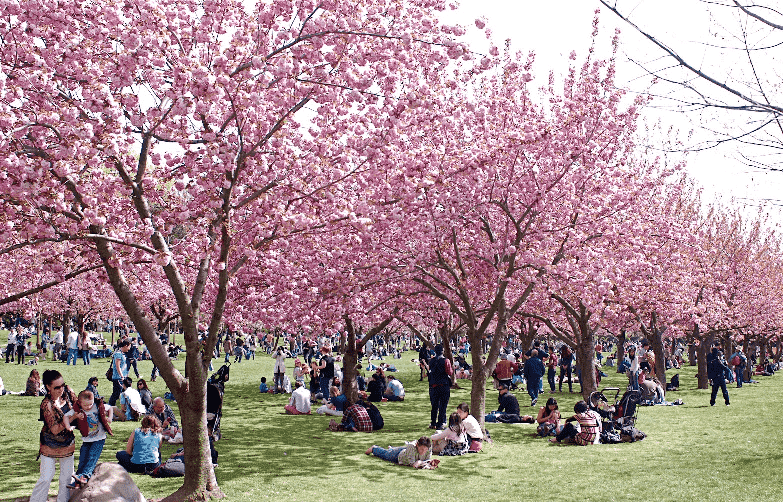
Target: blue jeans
point(324, 384)
point(85, 357)
point(73, 355)
point(635, 380)
point(533, 388)
point(88, 457)
point(738, 371)
point(391, 454)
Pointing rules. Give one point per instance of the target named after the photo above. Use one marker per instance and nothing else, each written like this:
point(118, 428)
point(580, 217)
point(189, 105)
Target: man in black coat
point(534, 370)
point(716, 371)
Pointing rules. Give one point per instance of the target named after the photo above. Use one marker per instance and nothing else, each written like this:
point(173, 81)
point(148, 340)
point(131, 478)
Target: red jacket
point(84, 427)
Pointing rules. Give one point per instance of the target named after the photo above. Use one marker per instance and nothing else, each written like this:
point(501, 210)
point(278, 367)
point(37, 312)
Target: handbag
point(110, 371)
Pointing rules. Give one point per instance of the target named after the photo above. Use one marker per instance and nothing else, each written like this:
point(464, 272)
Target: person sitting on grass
point(452, 440)
point(163, 412)
point(469, 422)
point(299, 404)
point(33, 387)
point(508, 408)
point(375, 388)
point(394, 390)
point(131, 407)
point(336, 404)
point(355, 418)
point(548, 418)
point(263, 388)
point(589, 426)
point(415, 455)
point(142, 453)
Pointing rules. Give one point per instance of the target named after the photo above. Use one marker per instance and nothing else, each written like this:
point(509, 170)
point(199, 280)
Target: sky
point(553, 28)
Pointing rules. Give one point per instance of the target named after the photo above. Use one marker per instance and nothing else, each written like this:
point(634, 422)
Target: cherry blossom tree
point(188, 137)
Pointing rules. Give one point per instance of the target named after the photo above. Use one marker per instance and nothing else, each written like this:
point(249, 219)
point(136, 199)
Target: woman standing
point(57, 440)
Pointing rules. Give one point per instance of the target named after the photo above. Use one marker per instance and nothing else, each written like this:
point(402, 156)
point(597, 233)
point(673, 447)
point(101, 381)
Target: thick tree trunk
point(585, 352)
point(199, 481)
point(350, 360)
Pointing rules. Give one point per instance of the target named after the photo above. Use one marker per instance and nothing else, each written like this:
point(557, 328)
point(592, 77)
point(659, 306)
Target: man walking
point(534, 370)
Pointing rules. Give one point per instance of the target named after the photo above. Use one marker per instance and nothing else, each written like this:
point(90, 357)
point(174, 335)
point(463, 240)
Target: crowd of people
point(318, 385)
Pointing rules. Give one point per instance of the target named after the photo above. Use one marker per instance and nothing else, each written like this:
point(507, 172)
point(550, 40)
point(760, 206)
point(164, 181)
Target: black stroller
point(620, 414)
point(216, 386)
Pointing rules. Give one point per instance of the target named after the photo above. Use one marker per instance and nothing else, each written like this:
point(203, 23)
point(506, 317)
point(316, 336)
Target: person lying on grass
point(416, 454)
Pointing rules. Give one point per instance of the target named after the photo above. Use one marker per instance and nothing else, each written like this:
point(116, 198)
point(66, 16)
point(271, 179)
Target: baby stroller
point(215, 391)
point(619, 414)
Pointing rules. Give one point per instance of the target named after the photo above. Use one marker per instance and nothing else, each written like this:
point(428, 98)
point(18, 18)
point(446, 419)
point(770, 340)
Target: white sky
point(553, 28)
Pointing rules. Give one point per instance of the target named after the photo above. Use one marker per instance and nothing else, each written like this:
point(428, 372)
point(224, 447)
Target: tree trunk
point(446, 342)
point(704, 348)
point(692, 353)
point(620, 349)
point(478, 391)
point(199, 481)
point(656, 343)
point(585, 352)
point(66, 327)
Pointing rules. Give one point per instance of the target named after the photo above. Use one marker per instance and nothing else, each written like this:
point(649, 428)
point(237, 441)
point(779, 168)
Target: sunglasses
point(58, 387)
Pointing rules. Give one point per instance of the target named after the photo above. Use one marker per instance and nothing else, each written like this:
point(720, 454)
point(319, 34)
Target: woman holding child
point(57, 441)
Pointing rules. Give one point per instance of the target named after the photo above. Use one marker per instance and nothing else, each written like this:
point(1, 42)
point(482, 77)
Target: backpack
point(736, 361)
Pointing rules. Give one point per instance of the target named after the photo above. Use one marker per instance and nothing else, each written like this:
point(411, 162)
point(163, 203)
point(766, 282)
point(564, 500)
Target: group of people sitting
point(462, 435)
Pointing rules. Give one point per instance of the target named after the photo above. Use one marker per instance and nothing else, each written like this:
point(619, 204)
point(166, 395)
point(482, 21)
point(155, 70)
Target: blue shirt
point(118, 356)
point(145, 447)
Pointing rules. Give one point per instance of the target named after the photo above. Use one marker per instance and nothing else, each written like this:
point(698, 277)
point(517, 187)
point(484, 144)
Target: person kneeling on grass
point(416, 454)
point(299, 404)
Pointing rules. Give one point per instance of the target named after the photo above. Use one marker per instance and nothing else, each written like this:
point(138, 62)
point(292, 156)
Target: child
point(263, 388)
point(93, 421)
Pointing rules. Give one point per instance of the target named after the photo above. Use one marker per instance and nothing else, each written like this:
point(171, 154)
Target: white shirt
point(58, 338)
point(73, 340)
point(133, 397)
point(396, 387)
point(12, 337)
point(300, 399)
point(472, 427)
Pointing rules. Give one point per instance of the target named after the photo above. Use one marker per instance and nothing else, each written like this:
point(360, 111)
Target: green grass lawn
point(692, 452)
